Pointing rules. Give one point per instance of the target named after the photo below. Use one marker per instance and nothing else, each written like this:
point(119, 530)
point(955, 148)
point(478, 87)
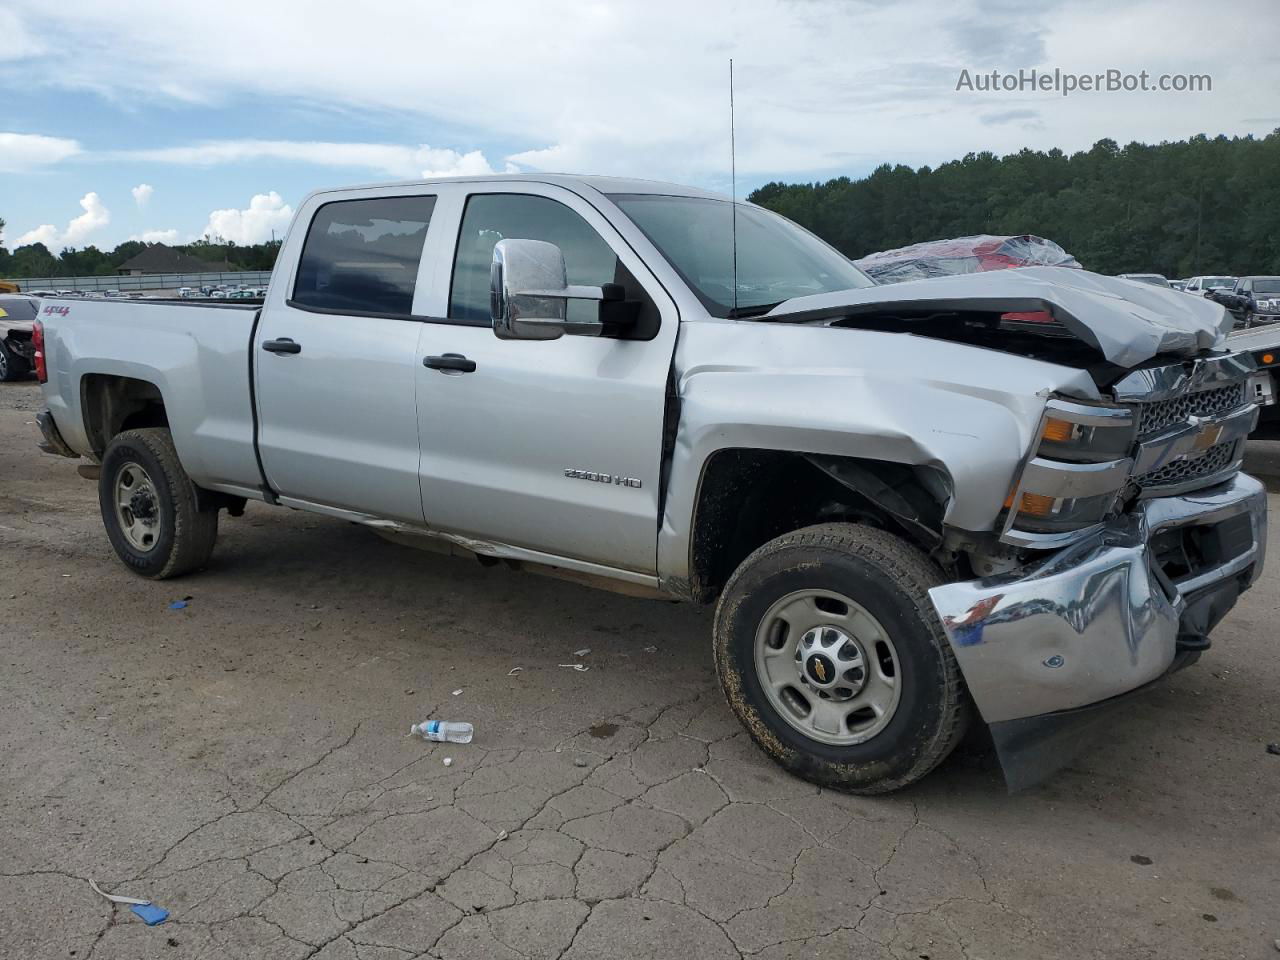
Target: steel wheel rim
point(4, 363)
point(809, 648)
point(137, 506)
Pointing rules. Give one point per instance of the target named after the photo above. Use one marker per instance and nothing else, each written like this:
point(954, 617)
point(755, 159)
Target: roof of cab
point(605, 185)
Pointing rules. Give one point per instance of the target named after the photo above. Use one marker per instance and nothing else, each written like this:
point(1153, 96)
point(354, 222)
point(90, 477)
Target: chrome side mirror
point(529, 293)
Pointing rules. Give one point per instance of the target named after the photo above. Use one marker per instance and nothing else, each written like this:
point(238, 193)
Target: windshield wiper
point(757, 310)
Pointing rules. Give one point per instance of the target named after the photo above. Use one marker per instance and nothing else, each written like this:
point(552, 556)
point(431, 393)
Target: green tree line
point(1199, 206)
point(36, 260)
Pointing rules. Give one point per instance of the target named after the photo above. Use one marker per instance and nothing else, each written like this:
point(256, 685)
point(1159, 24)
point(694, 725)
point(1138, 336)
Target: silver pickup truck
point(1015, 494)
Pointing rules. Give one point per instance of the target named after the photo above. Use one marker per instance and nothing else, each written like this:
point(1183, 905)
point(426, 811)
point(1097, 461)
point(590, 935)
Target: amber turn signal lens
point(1268, 358)
point(1057, 431)
point(1036, 504)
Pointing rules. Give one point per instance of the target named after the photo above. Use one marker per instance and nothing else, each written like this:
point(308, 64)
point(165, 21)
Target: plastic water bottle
point(442, 730)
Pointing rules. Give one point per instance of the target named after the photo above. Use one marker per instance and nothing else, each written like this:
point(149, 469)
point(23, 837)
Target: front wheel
point(831, 654)
point(149, 506)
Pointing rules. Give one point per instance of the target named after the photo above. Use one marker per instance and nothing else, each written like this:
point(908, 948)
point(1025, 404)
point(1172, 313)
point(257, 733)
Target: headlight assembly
point(1080, 464)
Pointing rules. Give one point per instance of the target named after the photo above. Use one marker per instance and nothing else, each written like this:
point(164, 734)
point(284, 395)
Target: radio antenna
point(733, 188)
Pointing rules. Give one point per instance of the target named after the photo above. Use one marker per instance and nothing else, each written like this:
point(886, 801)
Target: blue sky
point(231, 113)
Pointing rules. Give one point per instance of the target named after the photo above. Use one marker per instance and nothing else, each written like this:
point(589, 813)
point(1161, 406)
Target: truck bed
point(196, 352)
point(1258, 338)
point(245, 304)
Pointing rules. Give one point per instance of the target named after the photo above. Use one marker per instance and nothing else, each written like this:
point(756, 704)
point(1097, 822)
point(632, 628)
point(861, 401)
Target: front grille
point(1163, 413)
point(1212, 461)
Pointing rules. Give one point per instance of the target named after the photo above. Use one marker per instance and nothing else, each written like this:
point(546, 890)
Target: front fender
point(818, 390)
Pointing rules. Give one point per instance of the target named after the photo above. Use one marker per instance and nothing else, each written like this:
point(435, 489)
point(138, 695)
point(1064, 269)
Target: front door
point(336, 357)
point(554, 446)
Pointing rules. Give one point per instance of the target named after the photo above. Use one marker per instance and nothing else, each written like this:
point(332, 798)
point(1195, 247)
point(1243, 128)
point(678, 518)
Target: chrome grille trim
point(1179, 395)
point(1210, 463)
point(1162, 413)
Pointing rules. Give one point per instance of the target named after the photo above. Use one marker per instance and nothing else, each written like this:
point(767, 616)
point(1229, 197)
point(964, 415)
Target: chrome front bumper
point(1099, 618)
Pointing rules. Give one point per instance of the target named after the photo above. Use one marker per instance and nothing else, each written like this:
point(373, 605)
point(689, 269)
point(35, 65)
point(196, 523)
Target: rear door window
point(362, 256)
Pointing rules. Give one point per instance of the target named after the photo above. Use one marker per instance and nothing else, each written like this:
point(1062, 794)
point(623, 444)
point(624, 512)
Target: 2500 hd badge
point(601, 477)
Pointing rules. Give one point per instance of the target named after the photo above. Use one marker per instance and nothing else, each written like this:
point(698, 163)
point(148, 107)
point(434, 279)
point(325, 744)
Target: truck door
point(335, 358)
point(553, 446)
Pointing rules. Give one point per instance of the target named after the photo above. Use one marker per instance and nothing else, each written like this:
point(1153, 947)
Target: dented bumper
point(1108, 615)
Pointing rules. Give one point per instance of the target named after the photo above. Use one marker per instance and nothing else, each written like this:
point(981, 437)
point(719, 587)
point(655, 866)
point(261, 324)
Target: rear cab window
point(361, 256)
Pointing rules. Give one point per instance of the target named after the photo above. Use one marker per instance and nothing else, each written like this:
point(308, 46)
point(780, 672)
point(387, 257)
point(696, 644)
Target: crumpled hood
point(1128, 321)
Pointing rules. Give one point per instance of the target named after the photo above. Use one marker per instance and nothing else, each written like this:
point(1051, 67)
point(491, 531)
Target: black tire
point(890, 579)
point(12, 366)
point(186, 533)
point(1248, 319)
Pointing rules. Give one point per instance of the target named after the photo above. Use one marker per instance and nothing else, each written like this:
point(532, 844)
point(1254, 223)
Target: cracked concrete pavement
point(244, 762)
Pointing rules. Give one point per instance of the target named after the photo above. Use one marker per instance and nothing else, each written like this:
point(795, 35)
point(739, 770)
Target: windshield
point(1219, 281)
point(777, 260)
point(1266, 288)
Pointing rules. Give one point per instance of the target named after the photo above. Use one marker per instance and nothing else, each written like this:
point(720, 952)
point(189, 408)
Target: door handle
point(450, 361)
point(283, 345)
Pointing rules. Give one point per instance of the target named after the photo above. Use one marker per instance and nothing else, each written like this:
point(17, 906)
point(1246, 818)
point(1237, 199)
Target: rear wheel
point(832, 656)
point(149, 506)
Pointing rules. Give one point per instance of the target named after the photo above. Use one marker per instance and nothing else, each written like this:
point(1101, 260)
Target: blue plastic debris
point(145, 909)
point(177, 605)
point(150, 913)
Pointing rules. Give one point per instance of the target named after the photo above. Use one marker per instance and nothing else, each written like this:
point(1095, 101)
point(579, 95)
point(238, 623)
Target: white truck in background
point(1014, 496)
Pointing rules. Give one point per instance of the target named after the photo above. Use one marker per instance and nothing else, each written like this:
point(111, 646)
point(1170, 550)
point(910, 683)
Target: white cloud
point(157, 236)
point(22, 152)
point(450, 163)
point(395, 160)
point(95, 216)
point(46, 233)
point(266, 212)
point(18, 43)
point(142, 194)
point(641, 89)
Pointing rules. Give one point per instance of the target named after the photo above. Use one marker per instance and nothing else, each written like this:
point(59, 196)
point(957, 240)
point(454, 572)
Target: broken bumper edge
point(1100, 619)
point(52, 441)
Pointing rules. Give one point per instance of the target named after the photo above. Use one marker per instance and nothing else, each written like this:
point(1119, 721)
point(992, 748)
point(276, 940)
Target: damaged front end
point(1138, 533)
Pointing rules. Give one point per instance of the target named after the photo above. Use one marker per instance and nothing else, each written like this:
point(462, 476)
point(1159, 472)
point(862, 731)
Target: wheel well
point(748, 497)
point(111, 404)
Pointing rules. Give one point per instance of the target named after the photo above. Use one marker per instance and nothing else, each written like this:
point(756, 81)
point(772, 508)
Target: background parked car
point(1252, 300)
point(1178, 284)
point(17, 354)
point(978, 254)
point(1202, 285)
point(1155, 279)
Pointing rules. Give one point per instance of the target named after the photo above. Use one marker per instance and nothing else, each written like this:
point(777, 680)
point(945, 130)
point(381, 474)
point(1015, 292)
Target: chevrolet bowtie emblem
point(821, 670)
point(1207, 436)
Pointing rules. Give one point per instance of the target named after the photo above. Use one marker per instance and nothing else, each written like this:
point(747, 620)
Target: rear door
point(336, 356)
point(554, 446)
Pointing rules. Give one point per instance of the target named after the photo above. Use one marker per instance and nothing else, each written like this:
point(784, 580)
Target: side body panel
point(195, 355)
point(500, 444)
point(338, 422)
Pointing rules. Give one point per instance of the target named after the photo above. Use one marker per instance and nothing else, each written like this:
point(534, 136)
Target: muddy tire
point(149, 506)
point(833, 658)
point(12, 366)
